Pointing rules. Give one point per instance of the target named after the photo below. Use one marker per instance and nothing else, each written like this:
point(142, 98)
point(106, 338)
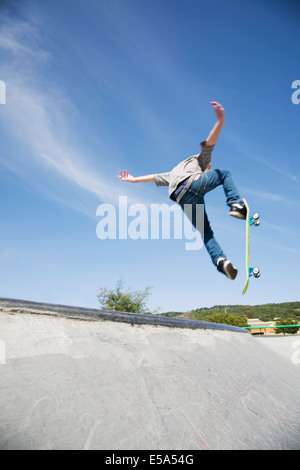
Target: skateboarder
point(188, 183)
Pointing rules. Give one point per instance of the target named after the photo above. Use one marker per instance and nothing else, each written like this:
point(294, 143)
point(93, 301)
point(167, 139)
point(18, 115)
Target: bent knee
point(223, 173)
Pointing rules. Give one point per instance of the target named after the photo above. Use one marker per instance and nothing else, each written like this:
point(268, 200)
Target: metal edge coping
point(109, 315)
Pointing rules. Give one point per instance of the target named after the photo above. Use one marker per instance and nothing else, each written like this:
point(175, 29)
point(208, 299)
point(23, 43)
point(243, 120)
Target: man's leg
point(217, 256)
point(212, 246)
point(209, 180)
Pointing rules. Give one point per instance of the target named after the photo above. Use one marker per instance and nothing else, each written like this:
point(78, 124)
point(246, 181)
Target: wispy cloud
point(271, 197)
point(20, 38)
point(42, 128)
point(37, 117)
point(233, 138)
point(274, 167)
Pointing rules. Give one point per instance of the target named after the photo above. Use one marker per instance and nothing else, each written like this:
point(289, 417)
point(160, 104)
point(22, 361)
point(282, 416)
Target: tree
point(120, 300)
point(228, 319)
point(286, 330)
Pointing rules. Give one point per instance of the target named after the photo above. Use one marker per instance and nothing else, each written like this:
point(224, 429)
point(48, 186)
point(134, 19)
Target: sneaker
point(225, 267)
point(238, 210)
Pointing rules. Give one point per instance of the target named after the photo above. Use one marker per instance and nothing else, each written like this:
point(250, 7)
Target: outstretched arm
point(214, 133)
point(125, 176)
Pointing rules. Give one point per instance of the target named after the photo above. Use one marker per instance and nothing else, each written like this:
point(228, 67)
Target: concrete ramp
point(89, 379)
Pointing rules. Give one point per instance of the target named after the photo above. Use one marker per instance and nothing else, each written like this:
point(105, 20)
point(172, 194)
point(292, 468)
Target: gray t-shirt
point(191, 166)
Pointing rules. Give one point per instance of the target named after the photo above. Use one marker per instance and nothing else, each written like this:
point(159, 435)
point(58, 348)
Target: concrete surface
point(286, 346)
point(103, 380)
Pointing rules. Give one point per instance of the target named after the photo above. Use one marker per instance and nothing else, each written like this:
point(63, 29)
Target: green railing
point(264, 327)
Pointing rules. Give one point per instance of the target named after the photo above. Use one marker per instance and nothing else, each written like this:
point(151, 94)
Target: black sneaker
point(238, 210)
point(225, 267)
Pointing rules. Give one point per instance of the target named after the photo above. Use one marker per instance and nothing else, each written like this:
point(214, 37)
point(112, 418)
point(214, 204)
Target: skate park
point(89, 379)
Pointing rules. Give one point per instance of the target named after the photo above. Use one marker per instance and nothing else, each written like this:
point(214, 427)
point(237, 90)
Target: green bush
point(227, 319)
point(121, 300)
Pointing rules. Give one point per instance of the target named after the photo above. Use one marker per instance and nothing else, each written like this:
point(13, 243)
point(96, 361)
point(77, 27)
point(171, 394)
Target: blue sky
point(93, 87)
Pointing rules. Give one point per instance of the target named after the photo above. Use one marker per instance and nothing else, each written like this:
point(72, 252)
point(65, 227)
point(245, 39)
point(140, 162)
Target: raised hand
point(219, 110)
point(125, 176)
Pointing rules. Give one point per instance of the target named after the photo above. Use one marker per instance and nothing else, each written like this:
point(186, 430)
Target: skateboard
point(250, 220)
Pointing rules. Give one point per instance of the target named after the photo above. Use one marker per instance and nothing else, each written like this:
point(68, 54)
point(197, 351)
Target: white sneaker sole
point(237, 214)
point(230, 270)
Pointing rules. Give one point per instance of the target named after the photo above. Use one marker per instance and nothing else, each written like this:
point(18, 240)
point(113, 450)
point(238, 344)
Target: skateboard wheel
point(256, 222)
point(256, 272)
point(255, 216)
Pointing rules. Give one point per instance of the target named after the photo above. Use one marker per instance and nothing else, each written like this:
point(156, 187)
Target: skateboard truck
point(254, 219)
point(254, 272)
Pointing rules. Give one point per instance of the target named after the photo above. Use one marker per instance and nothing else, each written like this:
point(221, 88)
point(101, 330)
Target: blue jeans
point(208, 181)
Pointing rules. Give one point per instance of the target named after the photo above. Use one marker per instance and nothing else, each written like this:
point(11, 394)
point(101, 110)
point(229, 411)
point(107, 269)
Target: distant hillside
point(265, 312)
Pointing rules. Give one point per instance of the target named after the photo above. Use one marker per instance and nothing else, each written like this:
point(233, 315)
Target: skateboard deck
point(253, 220)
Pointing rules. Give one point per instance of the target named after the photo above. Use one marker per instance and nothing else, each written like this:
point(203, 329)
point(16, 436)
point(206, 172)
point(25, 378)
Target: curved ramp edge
point(25, 306)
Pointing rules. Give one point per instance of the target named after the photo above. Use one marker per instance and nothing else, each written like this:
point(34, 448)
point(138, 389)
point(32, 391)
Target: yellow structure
point(263, 327)
point(260, 326)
